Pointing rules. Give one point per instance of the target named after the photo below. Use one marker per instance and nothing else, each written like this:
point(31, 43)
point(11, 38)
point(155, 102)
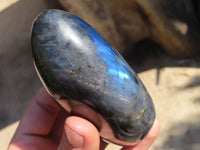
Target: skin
point(45, 125)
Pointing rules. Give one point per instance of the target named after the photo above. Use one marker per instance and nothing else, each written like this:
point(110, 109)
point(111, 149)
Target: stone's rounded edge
point(142, 124)
point(122, 135)
point(38, 33)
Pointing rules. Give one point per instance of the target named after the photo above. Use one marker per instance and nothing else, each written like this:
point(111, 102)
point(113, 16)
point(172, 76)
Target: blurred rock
point(172, 24)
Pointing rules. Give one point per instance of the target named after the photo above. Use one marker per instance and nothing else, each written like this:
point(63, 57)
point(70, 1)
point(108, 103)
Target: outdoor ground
point(173, 84)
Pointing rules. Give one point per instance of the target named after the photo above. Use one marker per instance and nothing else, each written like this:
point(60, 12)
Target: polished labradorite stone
point(75, 62)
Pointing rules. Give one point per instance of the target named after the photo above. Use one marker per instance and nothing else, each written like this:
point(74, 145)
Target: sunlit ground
point(6, 3)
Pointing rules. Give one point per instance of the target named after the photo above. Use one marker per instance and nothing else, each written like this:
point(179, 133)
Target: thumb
point(79, 134)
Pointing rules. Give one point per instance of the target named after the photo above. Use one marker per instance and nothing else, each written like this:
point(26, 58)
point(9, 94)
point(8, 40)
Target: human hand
point(44, 127)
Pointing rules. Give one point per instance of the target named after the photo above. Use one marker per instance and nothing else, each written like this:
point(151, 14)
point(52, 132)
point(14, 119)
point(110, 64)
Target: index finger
point(40, 115)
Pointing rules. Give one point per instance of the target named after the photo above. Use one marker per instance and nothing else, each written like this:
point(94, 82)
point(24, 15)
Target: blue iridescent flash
point(75, 62)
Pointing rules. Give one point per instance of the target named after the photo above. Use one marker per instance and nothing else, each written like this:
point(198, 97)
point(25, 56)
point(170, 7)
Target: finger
point(80, 134)
point(37, 121)
point(40, 114)
point(58, 127)
point(148, 140)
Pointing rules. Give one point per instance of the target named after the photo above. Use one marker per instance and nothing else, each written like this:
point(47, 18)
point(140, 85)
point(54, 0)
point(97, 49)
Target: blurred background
point(164, 53)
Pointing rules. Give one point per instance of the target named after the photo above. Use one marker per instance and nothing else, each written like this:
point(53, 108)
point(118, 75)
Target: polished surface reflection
point(75, 62)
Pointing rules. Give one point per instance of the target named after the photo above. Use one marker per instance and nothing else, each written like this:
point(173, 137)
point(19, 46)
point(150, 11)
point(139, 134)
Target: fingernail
point(75, 140)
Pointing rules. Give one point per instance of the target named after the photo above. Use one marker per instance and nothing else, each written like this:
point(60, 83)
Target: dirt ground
point(173, 84)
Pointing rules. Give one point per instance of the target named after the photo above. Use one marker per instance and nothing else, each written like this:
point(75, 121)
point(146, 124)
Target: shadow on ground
point(147, 55)
point(184, 136)
point(18, 80)
point(195, 82)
